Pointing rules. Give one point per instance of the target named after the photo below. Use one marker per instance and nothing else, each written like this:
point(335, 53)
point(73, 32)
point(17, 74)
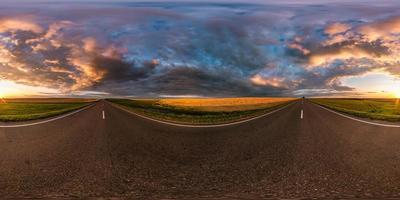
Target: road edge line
point(200, 126)
point(359, 120)
point(49, 120)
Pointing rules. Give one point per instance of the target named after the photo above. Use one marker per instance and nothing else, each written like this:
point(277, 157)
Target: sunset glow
point(397, 94)
point(9, 89)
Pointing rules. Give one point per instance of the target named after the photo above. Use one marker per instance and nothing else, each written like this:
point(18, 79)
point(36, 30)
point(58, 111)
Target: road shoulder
point(359, 119)
point(43, 121)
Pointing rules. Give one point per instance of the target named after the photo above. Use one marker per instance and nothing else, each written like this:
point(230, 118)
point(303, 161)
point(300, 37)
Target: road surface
point(298, 152)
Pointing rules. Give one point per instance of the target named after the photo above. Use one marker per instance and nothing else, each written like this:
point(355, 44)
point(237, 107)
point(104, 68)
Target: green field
point(377, 109)
point(12, 110)
point(204, 114)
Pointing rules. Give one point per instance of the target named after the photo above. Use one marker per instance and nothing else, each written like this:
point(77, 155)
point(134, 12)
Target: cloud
point(336, 28)
point(277, 82)
point(299, 48)
point(18, 24)
point(51, 58)
point(387, 29)
point(345, 51)
point(204, 49)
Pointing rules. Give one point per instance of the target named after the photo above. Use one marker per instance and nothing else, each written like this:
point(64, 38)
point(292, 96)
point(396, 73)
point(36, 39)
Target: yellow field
point(224, 104)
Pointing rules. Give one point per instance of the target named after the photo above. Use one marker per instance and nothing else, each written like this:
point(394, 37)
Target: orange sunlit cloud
point(270, 81)
point(15, 24)
point(336, 28)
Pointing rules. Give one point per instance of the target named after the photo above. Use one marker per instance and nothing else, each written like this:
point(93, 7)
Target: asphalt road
point(322, 155)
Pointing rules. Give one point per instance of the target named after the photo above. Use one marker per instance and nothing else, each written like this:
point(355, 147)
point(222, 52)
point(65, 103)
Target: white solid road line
point(201, 126)
point(46, 121)
point(104, 115)
point(301, 114)
point(359, 120)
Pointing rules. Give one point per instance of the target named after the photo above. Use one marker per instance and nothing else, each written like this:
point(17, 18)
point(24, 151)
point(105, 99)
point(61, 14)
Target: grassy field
point(377, 109)
point(30, 109)
point(203, 111)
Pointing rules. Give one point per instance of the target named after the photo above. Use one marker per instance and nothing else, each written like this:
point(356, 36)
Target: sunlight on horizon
point(370, 85)
point(9, 89)
point(397, 94)
point(375, 84)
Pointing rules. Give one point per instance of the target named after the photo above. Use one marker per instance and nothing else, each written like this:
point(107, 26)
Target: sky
point(203, 49)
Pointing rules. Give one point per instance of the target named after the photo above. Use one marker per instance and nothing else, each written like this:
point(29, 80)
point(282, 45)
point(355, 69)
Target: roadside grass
point(376, 109)
point(202, 111)
point(14, 110)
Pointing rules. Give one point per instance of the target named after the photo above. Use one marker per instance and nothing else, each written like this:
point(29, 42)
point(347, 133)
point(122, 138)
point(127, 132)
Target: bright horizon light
point(9, 89)
point(397, 94)
point(387, 89)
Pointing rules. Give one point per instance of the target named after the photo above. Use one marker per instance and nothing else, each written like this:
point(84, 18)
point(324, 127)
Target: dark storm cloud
point(183, 80)
point(120, 71)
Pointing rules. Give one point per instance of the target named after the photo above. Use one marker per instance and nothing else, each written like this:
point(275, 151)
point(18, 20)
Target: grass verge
point(199, 115)
point(23, 110)
point(376, 109)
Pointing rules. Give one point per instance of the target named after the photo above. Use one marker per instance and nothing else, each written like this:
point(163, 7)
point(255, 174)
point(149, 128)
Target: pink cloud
point(268, 81)
point(13, 24)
